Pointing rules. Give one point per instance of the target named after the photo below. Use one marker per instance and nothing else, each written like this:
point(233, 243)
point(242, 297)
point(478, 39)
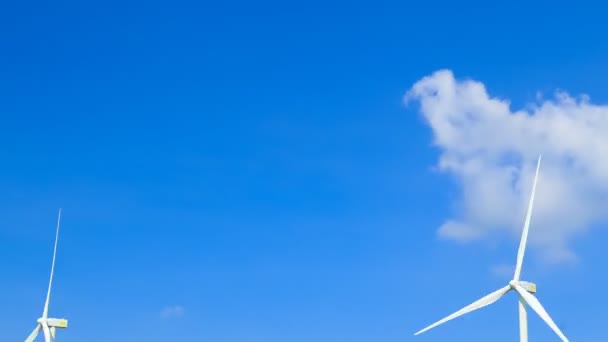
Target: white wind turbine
point(46, 324)
point(524, 289)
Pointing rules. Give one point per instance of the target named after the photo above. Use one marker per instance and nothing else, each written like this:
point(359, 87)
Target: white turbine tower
point(46, 324)
point(524, 289)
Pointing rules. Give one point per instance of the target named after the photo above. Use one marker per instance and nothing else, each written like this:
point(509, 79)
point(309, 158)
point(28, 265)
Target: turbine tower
point(524, 289)
point(46, 324)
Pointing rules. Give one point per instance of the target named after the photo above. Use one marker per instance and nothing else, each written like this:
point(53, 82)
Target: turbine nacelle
point(528, 286)
point(53, 322)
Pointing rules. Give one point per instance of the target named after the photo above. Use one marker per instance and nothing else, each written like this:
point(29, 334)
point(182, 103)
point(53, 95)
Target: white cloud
point(172, 311)
point(492, 152)
point(503, 270)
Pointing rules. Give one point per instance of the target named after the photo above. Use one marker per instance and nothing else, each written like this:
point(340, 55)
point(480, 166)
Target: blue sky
point(245, 171)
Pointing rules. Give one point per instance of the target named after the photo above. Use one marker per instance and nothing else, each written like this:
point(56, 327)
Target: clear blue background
point(254, 163)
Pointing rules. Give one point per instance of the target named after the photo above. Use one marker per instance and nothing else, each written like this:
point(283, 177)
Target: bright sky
point(278, 171)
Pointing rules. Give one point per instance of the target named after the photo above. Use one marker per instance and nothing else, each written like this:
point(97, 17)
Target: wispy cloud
point(172, 311)
point(492, 150)
point(503, 270)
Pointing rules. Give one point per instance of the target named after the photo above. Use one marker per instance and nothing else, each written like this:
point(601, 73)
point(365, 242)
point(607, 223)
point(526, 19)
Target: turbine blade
point(53, 331)
point(487, 300)
point(524, 235)
point(34, 334)
point(536, 306)
point(48, 294)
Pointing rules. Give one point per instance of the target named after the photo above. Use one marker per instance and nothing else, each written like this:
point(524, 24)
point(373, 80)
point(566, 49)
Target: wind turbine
point(46, 324)
point(524, 289)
